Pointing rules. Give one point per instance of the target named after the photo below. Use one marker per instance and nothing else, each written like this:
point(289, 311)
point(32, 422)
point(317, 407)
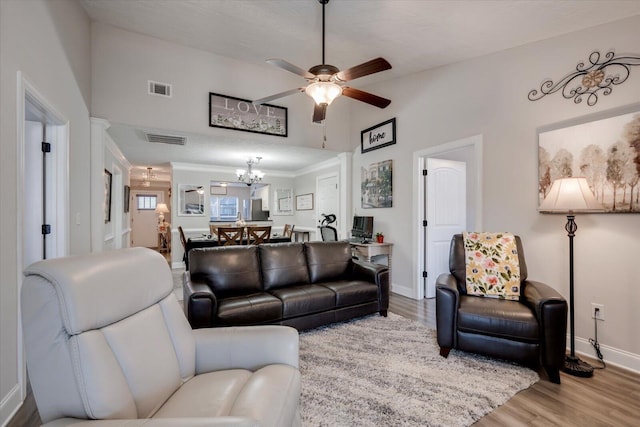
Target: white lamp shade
point(570, 195)
point(162, 208)
point(323, 92)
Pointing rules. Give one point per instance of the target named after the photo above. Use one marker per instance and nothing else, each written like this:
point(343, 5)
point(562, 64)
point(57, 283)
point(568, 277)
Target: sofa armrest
point(551, 311)
point(245, 347)
point(447, 303)
point(374, 273)
point(158, 422)
point(200, 302)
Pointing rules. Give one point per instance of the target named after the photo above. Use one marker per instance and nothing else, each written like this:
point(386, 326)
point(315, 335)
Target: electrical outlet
point(597, 311)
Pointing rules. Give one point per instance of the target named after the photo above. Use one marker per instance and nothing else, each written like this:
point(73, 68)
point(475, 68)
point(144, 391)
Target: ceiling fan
point(325, 81)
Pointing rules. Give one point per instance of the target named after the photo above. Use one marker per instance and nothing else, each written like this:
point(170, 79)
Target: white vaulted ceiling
point(413, 35)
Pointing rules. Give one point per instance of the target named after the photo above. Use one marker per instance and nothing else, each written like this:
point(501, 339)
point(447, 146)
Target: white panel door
point(33, 242)
point(144, 222)
point(446, 215)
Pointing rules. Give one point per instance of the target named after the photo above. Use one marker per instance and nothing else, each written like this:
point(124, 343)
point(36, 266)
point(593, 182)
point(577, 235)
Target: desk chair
point(257, 235)
point(228, 236)
point(328, 233)
point(288, 230)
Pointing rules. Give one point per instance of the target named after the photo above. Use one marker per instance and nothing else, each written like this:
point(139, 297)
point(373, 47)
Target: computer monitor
point(362, 227)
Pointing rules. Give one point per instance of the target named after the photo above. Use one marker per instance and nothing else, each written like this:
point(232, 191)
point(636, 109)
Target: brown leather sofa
point(531, 331)
point(303, 285)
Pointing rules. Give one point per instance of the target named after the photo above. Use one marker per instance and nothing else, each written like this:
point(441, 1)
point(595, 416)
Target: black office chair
point(328, 233)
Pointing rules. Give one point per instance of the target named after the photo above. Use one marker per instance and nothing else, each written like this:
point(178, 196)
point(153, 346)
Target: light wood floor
point(610, 398)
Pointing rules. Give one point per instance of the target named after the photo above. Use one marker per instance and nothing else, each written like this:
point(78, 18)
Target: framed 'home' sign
point(241, 114)
point(378, 136)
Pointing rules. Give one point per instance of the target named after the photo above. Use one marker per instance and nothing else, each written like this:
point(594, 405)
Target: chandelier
point(147, 177)
point(250, 176)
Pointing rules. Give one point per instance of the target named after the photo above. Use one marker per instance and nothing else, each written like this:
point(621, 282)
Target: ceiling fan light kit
point(324, 81)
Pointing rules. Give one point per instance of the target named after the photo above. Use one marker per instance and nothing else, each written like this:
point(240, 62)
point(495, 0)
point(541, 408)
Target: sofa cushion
point(228, 270)
point(498, 318)
point(249, 309)
point(305, 299)
point(352, 292)
point(283, 264)
point(328, 261)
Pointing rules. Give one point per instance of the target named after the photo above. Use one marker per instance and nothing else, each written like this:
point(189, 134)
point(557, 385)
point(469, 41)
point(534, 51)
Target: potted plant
point(379, 237)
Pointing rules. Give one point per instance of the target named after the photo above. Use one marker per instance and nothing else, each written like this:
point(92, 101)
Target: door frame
point(416, 290)
point(28, 94)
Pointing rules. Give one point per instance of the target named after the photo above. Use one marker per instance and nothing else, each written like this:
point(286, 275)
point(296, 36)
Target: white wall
point(49, 42)
point(123, 62)
point(488, 96)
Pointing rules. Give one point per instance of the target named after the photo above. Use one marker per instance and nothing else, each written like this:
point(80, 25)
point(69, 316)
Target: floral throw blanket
point(492, 265)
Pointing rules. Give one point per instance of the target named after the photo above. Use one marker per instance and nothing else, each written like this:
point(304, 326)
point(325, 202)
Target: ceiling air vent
point(166, 139)
point(160, 89)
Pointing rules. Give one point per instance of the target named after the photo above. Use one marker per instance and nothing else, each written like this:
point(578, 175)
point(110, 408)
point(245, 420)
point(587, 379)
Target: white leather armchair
point(106, 339)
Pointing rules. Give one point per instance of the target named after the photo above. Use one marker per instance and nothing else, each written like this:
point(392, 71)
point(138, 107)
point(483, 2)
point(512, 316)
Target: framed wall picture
point(241, 114)
point(127, 197)
point(377, 185)
point(378, 136)
point(304, 202)
point(107, 196)
point(604, 148)
point(218, 190)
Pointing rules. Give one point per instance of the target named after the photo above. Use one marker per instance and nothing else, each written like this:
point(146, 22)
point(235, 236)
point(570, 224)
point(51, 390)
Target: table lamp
point(571, 195)
point(161, 208)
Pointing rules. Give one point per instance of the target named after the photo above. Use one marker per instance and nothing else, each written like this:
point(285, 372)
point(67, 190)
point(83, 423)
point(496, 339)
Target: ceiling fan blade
point(364, 69)
point(367, 97)
point(277, 95)
point(319, 112)
point(281, 63)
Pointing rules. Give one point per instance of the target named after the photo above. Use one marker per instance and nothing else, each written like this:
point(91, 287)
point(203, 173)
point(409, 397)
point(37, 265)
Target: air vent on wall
point(161, 89)
point(166, 139)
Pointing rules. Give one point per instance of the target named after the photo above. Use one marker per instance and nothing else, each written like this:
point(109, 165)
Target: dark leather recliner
point(531, 331)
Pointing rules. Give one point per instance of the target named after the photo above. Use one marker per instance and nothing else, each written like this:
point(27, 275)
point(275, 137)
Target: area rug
point(378, 371)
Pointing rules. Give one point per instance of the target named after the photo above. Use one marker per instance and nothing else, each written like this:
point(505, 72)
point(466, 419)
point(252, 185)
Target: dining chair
point(213, 230)
point(257, 235)
point(288, 230)
point(230, 236)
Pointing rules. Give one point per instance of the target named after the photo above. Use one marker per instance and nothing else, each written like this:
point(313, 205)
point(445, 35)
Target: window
point(224, 208)
point(146, 202)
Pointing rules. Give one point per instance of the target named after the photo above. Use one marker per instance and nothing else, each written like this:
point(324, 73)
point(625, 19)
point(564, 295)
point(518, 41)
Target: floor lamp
point(571, 195)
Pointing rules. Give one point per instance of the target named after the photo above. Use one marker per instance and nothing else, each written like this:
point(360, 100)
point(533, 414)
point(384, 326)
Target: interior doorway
point(144, 220)
point(469, 152)
point(42, 197)
point(445, 214)
point(327, 195)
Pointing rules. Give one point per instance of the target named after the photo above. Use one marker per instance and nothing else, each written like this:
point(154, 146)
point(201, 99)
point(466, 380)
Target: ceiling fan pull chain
point(324, 133)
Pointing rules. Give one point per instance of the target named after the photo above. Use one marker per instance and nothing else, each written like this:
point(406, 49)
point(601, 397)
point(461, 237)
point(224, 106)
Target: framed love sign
point(241, 114)
point(378, 136)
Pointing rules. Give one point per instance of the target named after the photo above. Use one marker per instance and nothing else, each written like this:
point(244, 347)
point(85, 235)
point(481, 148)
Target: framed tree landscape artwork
point(606, 151)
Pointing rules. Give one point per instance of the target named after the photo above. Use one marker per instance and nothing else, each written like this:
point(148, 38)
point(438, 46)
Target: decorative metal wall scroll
point(595, 76)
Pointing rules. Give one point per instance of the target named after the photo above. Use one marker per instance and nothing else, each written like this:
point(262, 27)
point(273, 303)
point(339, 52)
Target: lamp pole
point(573, 365)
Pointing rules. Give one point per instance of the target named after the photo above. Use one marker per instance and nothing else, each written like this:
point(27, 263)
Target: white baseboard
point(403, 290)
point(10, 405)
point(612, 356)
